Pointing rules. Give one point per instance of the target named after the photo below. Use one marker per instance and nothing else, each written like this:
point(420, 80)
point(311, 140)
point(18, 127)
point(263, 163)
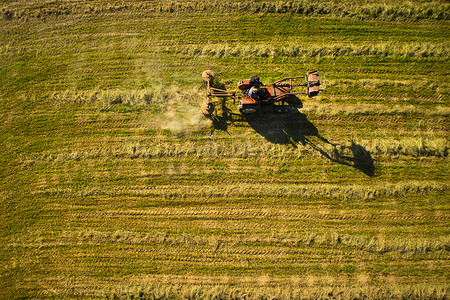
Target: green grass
point(114, 186)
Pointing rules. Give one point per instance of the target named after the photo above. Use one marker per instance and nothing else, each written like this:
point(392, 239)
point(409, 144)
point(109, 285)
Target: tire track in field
point(302, 280)
point(259, 213)
point(385, 119)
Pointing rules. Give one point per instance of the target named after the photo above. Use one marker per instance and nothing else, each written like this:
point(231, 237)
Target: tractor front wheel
point(249, 108)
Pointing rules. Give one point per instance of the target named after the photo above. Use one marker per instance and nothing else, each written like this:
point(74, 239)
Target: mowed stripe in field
point(115, 186)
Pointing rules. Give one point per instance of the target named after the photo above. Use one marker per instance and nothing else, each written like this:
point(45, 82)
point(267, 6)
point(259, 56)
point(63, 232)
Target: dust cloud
point(185, 119)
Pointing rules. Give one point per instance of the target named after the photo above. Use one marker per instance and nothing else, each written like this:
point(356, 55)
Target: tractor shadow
point(294, 128)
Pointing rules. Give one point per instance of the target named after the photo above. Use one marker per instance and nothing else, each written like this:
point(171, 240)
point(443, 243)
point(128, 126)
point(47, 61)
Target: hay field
point(113, 185)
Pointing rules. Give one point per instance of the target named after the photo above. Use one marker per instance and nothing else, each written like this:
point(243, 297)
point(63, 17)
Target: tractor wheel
point(248, 109)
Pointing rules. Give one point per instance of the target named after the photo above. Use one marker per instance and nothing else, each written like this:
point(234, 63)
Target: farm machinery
point(208, 106)
point(254, 95)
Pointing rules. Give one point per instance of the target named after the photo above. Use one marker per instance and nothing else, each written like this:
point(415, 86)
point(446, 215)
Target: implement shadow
point(294, 127)
point(223, 118)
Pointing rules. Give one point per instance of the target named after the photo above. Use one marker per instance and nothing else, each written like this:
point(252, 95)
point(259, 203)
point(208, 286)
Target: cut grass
point(114, 186)
point(395, 10)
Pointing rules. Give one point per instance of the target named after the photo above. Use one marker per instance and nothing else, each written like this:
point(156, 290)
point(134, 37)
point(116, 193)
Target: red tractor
point(256, 95)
